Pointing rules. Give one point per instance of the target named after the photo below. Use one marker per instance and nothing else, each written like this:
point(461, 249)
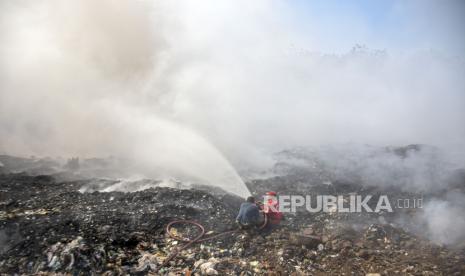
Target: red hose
point(197, 238)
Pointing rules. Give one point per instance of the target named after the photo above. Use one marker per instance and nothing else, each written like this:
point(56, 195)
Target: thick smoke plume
point(182, 89)
point(89, 79)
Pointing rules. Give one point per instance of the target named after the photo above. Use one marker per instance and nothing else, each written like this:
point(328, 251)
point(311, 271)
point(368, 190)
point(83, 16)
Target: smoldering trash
point(232, 137)
point(51, 224)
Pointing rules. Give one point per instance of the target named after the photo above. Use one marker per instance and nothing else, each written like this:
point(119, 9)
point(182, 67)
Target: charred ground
point(48, 226)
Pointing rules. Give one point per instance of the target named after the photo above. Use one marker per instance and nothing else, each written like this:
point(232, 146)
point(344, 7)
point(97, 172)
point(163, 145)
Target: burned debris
point(49, 226)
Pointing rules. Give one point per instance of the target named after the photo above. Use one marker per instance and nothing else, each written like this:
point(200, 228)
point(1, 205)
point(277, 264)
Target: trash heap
point(48, 226)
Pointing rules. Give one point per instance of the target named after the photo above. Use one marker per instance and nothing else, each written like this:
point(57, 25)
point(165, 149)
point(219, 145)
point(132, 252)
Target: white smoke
point(445, 222)
point(88, 79)
point(182, 88)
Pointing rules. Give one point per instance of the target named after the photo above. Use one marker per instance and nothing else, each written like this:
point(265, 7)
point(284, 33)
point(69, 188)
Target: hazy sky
point(394, 25)
point(135, 78)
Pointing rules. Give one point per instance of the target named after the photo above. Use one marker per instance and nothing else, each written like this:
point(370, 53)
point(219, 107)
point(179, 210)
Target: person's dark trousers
point(269, 227)
point(249, 228)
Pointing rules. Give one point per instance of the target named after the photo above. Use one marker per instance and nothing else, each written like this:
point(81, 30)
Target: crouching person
point(272, 213)
point(249, 215)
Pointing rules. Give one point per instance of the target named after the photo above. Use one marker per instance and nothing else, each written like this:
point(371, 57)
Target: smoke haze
point(188, 89)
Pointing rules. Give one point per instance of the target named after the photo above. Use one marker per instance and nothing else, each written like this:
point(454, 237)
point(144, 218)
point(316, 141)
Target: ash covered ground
point(55, 220)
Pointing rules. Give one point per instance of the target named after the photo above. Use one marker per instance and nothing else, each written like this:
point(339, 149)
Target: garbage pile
point(48, 226)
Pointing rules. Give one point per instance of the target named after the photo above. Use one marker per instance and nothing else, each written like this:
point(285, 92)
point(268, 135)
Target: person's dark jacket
point(248, 214)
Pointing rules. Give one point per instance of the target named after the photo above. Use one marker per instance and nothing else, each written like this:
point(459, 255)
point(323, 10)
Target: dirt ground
point(47, 226)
